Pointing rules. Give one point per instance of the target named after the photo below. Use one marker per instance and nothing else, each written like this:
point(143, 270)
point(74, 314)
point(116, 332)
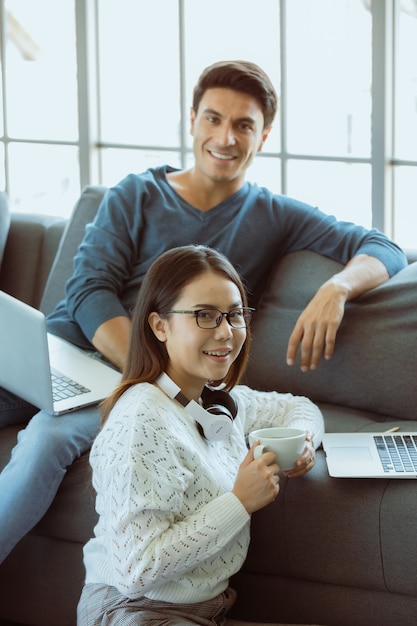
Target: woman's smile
point(218, 355)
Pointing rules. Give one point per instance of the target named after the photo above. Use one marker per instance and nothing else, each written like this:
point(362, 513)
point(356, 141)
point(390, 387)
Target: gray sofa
point(341, 552)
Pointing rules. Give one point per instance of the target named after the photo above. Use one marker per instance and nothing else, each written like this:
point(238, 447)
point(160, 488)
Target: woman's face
point(196, 354)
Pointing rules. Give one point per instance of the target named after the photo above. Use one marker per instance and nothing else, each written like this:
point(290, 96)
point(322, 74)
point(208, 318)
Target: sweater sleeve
point(308, 227)
point(270, 408)
point(102, 264)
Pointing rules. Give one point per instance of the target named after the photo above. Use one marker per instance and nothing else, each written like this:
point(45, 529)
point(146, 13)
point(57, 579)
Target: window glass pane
point(189, 160)
point(235, 29)
point(43, 178)
point(406, 83)
point(41, 69)
point(340, 189)
point(328, 59)
point(139, 72)
point(1, 99)
point(2, 168)
point(266, 172)
point(116, 163)
point(405, 212)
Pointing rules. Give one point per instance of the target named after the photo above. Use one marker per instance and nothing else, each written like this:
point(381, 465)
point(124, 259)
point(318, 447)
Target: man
point(234, 105)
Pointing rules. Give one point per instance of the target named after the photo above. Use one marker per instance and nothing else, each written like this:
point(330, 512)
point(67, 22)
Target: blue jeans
point(44, 450)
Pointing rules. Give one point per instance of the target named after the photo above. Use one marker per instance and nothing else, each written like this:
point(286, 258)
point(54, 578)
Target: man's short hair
point(242, 76)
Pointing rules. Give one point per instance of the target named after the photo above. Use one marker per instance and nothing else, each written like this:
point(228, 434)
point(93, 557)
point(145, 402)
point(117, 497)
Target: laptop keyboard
point(397, 452)
point(64, 387)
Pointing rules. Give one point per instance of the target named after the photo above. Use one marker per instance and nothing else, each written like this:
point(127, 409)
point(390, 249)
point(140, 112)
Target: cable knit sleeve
point(169, 525)
point(270, 408)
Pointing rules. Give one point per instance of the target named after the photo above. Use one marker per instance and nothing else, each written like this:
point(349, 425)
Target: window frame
point(91, 146)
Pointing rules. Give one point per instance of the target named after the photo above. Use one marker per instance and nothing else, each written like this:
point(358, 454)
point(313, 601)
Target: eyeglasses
point(212, 318)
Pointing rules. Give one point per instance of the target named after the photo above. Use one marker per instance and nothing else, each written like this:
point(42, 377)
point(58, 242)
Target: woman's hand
point(257, 481)
point(305, 462)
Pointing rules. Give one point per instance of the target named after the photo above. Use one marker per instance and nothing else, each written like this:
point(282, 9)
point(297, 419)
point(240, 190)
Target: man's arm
point(315, 331)
point(112, 340)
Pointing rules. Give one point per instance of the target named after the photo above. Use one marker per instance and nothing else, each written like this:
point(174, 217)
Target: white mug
point(287, 444)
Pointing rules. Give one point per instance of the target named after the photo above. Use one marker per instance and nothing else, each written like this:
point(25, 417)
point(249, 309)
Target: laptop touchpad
point(359, 454)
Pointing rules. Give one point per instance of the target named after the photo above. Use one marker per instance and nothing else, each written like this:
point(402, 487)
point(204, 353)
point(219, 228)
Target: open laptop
point(43, 369)
point(371, 455)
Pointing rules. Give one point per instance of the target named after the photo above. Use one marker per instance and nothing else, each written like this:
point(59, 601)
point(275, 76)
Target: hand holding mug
point(293, 448)
point(257, 481)
point(305, 462)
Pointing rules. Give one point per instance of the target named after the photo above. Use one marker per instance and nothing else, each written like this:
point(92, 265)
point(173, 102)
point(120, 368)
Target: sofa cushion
point(62, 268)
point(375, 342)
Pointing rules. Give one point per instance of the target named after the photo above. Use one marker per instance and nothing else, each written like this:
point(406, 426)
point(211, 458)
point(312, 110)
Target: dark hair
point(241, 76)
point(162, 286)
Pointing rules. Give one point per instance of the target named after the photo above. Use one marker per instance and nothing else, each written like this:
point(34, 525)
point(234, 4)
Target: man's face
point(228, 131)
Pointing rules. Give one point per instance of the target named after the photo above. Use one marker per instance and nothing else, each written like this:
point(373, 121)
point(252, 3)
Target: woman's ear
point(158, 326)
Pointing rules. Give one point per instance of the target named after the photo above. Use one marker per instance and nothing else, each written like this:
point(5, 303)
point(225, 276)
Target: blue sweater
point(143, 216)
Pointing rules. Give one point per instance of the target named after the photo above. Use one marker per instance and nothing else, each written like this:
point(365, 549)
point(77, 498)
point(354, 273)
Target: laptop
point(371, 455)
point(47, 371)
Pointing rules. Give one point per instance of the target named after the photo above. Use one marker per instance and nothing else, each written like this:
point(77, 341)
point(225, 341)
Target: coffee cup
point(287, 444)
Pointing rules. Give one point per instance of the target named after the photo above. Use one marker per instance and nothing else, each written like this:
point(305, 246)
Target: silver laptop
point(371, 455)
point(43, 369)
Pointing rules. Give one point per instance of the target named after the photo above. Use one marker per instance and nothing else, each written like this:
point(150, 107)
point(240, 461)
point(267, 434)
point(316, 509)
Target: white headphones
point(215, 416)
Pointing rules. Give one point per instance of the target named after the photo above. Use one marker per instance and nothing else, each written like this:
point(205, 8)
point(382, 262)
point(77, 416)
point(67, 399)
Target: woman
point(175, 497)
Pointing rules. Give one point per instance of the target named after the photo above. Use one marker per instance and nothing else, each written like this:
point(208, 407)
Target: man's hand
point(316, 328)
point(112, 340)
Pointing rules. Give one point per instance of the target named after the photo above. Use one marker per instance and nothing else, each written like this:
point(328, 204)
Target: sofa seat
point(330, 539)
point(336, 552)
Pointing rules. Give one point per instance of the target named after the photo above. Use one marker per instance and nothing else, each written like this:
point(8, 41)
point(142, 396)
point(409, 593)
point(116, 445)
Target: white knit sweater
point(169, 527)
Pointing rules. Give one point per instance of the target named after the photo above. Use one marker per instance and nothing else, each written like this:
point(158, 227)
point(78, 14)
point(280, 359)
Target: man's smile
point(223, 157)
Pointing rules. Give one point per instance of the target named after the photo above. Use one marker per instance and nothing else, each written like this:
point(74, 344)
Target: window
point(328, 106)
point(404, 207)
point(40, 132)
point(94, 89)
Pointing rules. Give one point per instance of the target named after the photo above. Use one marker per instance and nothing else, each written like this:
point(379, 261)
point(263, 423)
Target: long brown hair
point(166, 278)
